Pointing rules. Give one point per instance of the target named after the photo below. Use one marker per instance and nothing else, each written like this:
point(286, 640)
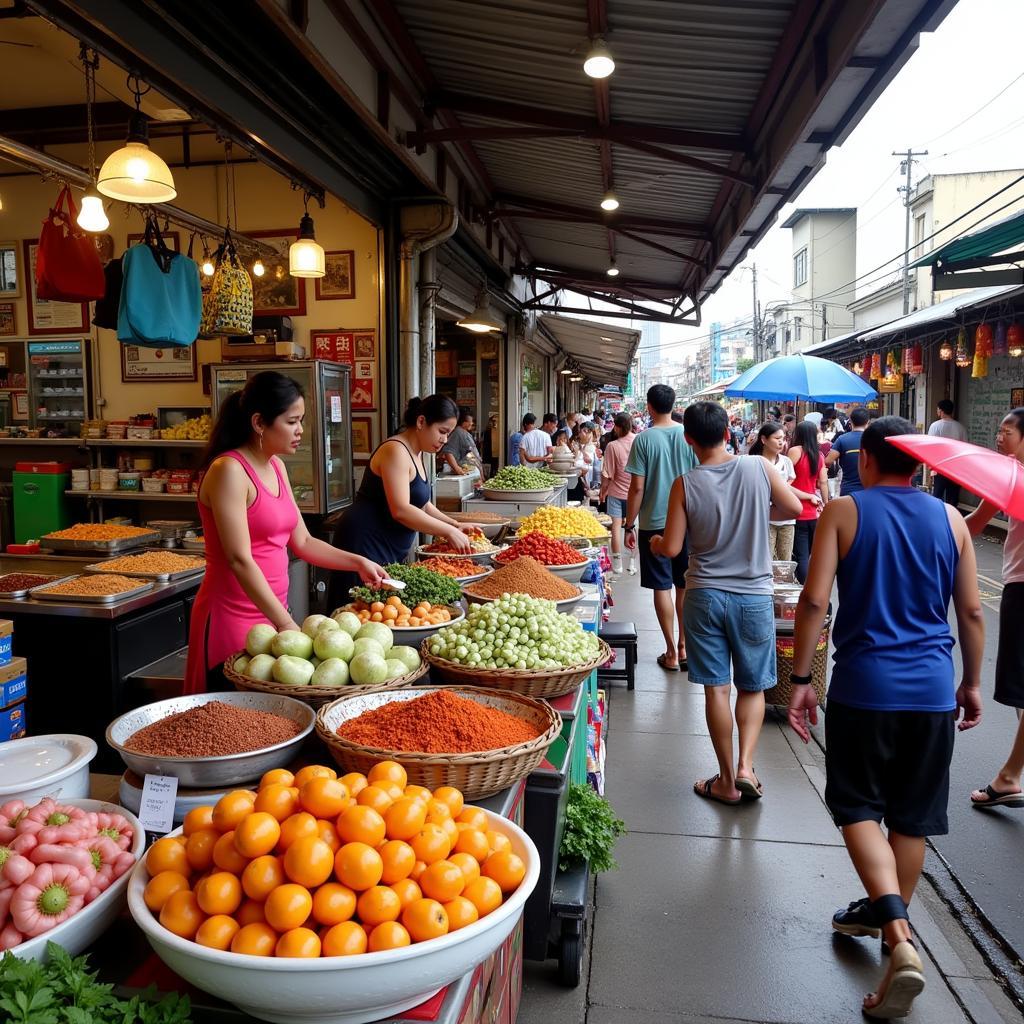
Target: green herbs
point(420, 585)
point(64, 991)
point(521, 478)
point(591, 829)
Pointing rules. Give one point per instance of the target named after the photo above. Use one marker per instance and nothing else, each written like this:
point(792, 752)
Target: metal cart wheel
point(571, 946)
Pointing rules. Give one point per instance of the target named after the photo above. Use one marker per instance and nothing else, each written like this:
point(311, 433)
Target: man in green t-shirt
point(659, 456)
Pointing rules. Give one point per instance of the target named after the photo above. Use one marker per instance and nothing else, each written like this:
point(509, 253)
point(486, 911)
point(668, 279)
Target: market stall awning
point(715, 390)
point(603, 352)
point(982, 245)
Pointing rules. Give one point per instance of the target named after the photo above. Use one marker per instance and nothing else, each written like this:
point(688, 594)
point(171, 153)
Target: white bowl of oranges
point(411, 626)
point(319, 900)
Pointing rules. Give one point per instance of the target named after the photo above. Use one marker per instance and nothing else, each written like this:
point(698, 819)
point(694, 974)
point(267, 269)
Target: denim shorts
point(616, 507)
point(722, 627)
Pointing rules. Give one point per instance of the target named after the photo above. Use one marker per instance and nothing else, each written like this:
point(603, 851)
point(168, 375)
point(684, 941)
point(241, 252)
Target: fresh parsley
point(591, 830)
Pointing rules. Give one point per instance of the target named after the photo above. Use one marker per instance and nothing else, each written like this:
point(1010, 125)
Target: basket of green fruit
point(518, 643)
point(520, 483)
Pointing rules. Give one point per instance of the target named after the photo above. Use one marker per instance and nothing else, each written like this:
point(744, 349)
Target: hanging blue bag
point(161, 297)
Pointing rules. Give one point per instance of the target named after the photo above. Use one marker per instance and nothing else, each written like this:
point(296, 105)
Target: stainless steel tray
point(17, 595)
point(42, 594)
point(158, 577)
point(193, 544)
point(121, 544)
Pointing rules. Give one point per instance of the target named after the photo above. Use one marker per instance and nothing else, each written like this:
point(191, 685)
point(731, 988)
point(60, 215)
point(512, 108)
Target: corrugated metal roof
point(602, 351)
point(948, 309)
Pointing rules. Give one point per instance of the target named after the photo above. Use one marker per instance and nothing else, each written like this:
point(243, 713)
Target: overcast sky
point(940, 101)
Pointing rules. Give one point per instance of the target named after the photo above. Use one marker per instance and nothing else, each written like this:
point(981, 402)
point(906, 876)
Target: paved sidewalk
point(723, 913)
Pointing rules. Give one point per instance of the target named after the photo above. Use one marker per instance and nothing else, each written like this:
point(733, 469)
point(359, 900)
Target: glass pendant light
point(946, 351)
point(610, 201)
point(306, 255)
point(258, 269)
point(92, 216)
point(599, 62)
point(134, 173)
point(481, 320)
point(613, 270)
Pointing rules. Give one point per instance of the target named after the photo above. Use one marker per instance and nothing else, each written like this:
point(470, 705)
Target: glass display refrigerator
point(58, 381)
point(321, 470)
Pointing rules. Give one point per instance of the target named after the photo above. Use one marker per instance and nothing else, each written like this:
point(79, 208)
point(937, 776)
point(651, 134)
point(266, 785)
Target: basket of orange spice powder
point(476, 739)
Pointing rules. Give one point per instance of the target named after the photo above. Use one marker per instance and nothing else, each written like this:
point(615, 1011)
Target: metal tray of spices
point(43, 593)
point(17, 595)
point(120, 544)
point(157, 577)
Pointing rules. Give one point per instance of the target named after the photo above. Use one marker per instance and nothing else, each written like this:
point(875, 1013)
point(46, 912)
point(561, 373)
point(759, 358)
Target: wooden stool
point(620, 636)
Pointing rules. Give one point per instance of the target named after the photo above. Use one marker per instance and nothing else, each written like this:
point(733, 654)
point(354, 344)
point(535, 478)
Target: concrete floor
point(723, 914)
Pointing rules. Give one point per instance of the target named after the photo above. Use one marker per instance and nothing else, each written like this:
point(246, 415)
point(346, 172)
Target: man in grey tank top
point(722, 508)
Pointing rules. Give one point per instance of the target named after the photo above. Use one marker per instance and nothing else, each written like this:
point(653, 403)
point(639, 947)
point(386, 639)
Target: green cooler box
point(40, 505)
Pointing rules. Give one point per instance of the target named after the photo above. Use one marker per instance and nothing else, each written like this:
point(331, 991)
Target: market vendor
point(460, 449)
point(250, 520)
point(393, 502)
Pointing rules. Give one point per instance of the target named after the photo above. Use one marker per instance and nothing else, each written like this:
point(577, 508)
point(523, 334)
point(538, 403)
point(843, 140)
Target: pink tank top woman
point(807, 480)
point(223, 613)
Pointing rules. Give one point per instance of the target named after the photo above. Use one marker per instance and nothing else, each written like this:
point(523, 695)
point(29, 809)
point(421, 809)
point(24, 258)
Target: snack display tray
point(42, 593)
point(17, 595)
point(121, 544)
point(157, 577)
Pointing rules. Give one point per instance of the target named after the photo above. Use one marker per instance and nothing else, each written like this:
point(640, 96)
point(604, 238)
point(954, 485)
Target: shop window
point(800, 268)
point(919, 235)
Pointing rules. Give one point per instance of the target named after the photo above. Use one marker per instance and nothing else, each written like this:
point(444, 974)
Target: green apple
point(293, 643)
point(347, 621)
point(293, 671)
point(261, 667)
point(259, 639)
point(368, 669)
point(334, 643)
point(330, 672)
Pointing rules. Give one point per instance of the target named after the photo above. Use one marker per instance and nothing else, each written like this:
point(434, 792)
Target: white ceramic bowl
point(80, 931)
point(54, 765)
point(571, 573)
point(346, 989)
point(413, 636)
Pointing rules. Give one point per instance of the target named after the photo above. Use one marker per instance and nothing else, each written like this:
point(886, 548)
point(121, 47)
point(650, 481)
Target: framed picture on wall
point(158, 364)
point(171, 238)
point(8, 319)
point(11, 272)
point(1016, 398)
point(44, 315)
point(277, 293)
point(339, 280)
point(362, 437)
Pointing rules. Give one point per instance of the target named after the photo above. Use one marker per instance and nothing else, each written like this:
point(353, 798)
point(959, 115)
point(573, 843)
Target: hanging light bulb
point(306, 255)
point(134, 173)
point(599, 62)
point(92, 216)
point(610, 201)
point(946, 351)
point(613, 270)
point(481, 320)
point(207, 268)
point(564, 372)
point(575, 379)
point(258, 269)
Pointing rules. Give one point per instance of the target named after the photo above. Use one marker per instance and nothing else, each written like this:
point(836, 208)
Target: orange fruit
point(419, 792)
point(378, 904)
point(278, 800)
point(181, 914)
point(498, 840)
point(226, 855)
point(196, 819)
point(345, 939)
point(312, 771)
point(389, 771)
point(431, 844)
point(451, 829)
point(257, 834)
point(438, 812)
point(425, 919)
point(217, 932)
point(388, 935)
point(417, 871)
point(250, 912)
point(297, 825)
point(199, 848)
point(473, 817)
point(398, 860)
point(231, 808)
point(468, 865)
point(460, 912)
point(262, 876)
point(358, 866)
point(393, 789)
point(277, 777)
point(333, 903)
point(256, 939)
point(375, 797)
point(355, 783)
point(323, 797)
point(442, 881)
point(287, 907)
point(167, 855)
point(161, 887)
point(309, 861)
point(328, 833)
point(484, 894)
point(404, 818)
point(299, 942)
point(219, 893)
point(473, 842)
point(361, 824)
point(506, 868)
point(407, 891)
point(452, 797)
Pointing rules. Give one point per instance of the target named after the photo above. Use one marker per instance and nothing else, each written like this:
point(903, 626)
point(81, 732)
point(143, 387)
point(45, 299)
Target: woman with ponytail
point(250, 520)
point(393, 502)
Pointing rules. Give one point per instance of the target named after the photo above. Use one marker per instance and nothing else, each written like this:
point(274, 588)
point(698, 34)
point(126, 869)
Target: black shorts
point(888, 765)
point(1010, 653)
point(656, 571)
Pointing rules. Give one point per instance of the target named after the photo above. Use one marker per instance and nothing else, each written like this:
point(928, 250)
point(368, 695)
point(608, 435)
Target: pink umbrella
point(996, 478)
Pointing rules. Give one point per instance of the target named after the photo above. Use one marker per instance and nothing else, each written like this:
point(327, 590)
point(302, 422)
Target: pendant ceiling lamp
point(945, 351)
point(92, 216)
point(481, 320)
point(306, 255)
point(610, 201)
point(134, 173)
point(613, 270)
point(599, 62)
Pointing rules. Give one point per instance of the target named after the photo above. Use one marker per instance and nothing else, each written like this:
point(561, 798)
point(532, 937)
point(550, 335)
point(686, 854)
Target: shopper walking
point(516, 439)
point(846, 451)
point(535, 445)
point(1005, 789)
point(889, 724)
point(615, 480)
point(722, 507)
point(768, 445)
point(946, 426)
point(659, 456)
point(811, 487)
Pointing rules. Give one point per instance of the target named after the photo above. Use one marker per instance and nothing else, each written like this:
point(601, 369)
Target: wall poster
point(44, 315)
point(158, 364)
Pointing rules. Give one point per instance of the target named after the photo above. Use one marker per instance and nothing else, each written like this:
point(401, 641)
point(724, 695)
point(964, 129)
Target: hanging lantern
point(999, 340)
point(876, 366)
point(891, 364)
point(983, 340)
point(905, 361)
point(857, 368)
point(915, 359)
point(980, 366)
point(946, 351)
point(1015, 341)
point(963, 357)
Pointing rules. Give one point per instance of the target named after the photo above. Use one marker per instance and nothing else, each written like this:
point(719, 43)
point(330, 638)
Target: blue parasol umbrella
point(800, 377)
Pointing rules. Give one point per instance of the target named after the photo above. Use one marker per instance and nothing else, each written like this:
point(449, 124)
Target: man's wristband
point(796, 680)
point(630, 528)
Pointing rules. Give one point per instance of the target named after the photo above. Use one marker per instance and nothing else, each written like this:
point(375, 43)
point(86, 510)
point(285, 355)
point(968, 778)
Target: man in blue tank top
point(898, 555)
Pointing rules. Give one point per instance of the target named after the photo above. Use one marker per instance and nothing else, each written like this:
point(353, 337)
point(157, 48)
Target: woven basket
point(315, 696)
point(524, 681)
point(476, 775)
point(780, 693)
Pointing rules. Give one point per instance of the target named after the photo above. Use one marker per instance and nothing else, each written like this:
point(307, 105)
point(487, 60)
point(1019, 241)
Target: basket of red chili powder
point(479, 740)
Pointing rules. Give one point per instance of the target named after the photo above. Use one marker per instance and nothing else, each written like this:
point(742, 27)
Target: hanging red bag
point(68, 267)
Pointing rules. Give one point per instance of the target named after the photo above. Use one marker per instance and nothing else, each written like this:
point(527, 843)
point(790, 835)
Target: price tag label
point(157, 809)
point(335, 408)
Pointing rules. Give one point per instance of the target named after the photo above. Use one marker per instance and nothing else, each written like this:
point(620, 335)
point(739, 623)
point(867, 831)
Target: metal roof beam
point(620, 223)
point(682, 227)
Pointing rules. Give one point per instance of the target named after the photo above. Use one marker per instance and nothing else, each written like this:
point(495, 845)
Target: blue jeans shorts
point(721, 626)
point(616, 507)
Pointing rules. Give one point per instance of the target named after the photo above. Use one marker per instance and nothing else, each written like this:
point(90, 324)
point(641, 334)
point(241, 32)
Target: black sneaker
point(856, 920)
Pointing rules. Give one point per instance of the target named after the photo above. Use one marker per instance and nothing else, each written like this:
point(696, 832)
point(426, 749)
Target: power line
point(984, 105)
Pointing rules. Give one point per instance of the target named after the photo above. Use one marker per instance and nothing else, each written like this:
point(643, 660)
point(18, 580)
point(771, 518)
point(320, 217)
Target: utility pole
point(906, 168)
point(757, 318)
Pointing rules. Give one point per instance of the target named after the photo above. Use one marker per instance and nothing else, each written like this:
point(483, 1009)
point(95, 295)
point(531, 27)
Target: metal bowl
point(480, 557)
point(210, 772)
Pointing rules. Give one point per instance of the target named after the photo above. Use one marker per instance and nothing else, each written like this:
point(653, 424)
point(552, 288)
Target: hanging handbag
point(68, 268)
point(106, 309)
point(161, 298)
point(227, 308)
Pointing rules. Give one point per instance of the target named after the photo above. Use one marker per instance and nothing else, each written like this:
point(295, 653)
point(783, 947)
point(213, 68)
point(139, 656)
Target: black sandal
point(997, 799)
point(703, 790)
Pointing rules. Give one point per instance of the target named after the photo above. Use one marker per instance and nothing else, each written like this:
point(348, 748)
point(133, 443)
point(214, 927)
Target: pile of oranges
point(394, 613)
point(314, 865)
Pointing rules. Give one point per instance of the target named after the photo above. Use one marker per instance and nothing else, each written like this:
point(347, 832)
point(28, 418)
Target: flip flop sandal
point(906, 983)
point(750, 789)
point(703, 790)
point(662, 661)
point(997, 799)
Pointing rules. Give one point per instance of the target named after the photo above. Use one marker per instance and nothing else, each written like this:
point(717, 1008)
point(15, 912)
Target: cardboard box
point(13, 722)
point(13, 682)
point(6, 642)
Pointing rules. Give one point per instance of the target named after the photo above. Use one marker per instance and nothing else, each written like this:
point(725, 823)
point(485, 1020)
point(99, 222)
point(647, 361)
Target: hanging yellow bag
point(227, 306)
